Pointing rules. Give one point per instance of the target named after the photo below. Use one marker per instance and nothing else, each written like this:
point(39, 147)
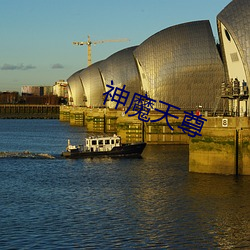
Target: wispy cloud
point(57, 66)
point(21, 66)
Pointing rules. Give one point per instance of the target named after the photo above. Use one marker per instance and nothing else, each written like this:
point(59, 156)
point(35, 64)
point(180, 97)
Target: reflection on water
point(224, 201)
point(106, 203)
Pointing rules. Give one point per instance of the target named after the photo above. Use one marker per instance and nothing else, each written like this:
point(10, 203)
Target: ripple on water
point(151, 202)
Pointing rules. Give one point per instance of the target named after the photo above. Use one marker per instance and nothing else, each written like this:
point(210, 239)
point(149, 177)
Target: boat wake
point(26, 154)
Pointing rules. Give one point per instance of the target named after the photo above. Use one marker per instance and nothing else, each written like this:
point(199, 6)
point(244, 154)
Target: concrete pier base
point(128, 126)
point(223, 148)
point(160, 133)
point(64, 114)
point(94, 120)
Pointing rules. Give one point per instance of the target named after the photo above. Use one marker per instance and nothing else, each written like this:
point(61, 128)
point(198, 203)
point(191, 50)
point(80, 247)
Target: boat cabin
point(102, 143)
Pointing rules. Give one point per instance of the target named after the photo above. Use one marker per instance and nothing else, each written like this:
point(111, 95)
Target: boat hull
point(126, 150)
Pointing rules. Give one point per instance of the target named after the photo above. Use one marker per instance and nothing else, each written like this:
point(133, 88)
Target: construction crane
point(89, 43)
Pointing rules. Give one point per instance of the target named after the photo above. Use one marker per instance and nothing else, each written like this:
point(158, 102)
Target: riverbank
point(25, 111)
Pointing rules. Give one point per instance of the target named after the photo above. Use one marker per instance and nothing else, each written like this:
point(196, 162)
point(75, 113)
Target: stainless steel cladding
point(235, 18)
point(234, 33)
point(76, 90)
point(93, 85)
point(181, 65)
point(121, 68)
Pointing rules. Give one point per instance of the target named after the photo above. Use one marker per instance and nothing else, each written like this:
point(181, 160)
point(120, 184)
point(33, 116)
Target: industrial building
point(60, 89)
point(180, 65)
point(37, 90)
point(9, 97)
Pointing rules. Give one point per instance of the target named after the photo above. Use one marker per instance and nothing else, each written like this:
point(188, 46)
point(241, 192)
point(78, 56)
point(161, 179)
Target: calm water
point(148, 203)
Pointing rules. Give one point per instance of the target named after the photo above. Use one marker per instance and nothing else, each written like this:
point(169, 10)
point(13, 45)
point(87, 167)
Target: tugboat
point(96, 146)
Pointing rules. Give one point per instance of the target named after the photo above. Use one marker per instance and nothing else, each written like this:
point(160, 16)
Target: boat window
point(107, 142)
point(112, 141)
point(117, 141)
point(93, 142)
point(100, 142)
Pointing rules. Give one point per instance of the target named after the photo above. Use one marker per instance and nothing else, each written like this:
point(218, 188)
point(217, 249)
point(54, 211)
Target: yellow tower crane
point(89, 43)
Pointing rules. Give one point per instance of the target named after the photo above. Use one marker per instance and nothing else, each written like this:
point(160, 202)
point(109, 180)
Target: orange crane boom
point(89, 43)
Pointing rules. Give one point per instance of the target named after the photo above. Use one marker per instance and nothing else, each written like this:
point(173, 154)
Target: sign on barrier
point(224, 122)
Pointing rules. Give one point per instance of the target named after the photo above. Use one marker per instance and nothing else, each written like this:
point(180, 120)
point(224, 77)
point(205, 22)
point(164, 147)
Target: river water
point(150, 203)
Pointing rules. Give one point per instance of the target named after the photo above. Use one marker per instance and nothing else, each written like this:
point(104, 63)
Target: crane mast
point(89, 43)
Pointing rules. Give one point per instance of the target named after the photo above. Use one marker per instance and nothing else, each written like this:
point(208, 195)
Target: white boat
point(103, 146)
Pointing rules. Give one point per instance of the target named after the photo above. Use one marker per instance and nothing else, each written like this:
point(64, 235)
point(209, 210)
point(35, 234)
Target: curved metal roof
point(76, 90)
point(93, 85)
point(236, 18)
point(181, 66)
point(121, 68)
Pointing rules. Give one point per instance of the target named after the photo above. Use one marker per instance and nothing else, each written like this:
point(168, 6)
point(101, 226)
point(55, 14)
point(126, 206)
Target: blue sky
point(36, 35)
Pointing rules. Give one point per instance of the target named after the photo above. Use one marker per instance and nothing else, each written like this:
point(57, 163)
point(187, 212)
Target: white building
point(60, 88)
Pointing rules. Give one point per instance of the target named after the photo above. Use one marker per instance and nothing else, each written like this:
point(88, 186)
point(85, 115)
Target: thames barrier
point(180, 67)
point(184, 66)
point(223, 148)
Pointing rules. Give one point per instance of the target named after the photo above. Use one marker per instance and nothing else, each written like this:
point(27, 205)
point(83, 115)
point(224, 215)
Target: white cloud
point(57, 66)
point(21, 66)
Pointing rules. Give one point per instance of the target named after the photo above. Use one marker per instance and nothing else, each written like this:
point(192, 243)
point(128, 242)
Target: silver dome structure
point(76, 91)
point(93, 85)
point(181, 66)
point(234, 32)
point(121, 69)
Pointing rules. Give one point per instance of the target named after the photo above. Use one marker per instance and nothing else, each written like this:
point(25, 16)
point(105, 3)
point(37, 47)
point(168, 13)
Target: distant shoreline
point(24, 111)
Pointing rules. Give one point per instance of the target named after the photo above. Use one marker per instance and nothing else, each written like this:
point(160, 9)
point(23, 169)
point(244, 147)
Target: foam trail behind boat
point(26, 154)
